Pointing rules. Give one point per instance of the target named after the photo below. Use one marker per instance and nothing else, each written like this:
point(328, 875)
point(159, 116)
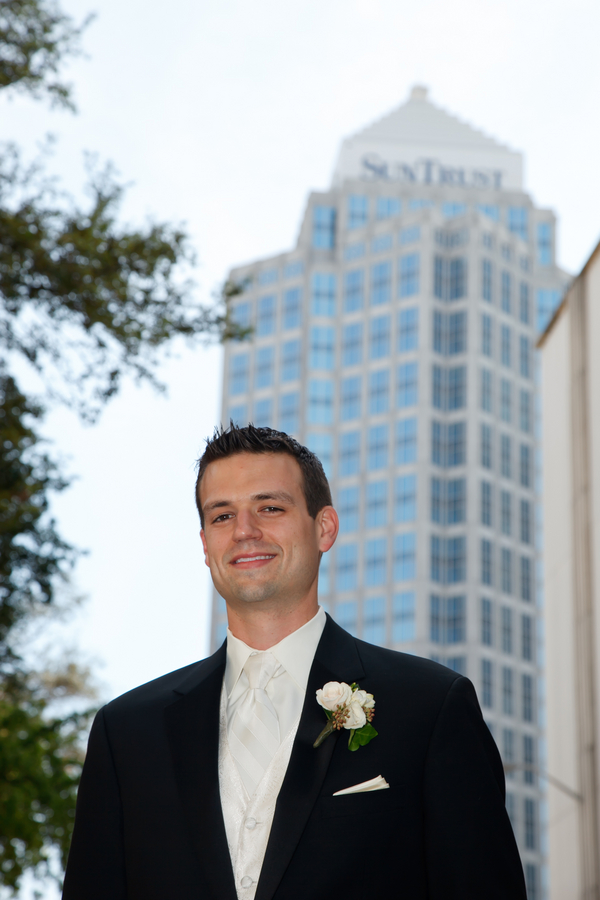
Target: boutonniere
point(346, 706)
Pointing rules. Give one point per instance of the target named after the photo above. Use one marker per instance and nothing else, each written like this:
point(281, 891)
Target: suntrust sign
point(429, 171)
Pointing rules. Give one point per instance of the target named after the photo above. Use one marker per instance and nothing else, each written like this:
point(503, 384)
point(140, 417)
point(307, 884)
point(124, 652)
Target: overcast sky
point(223, 116)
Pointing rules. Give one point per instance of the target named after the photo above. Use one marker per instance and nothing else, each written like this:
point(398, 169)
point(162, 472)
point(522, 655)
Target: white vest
point(248, 820)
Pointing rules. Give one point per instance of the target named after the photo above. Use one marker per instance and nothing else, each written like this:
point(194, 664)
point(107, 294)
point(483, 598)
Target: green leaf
point(360, 737)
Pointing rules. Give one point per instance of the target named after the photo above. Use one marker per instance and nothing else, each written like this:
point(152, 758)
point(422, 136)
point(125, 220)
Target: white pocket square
point(375, 784)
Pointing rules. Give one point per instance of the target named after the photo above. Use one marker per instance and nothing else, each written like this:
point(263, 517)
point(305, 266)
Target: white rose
point(357, 717)
point(363, 698)
point(334, 694)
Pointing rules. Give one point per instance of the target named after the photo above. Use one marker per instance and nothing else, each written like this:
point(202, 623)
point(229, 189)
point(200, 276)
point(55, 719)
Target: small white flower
point(334, 694)
point(365, 700)
point(357, 717)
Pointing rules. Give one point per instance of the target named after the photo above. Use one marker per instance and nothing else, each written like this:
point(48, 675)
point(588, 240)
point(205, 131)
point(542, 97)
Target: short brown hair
point(249, 439)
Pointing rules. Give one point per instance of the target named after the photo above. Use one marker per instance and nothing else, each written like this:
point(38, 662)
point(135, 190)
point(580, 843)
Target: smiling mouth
point(249, 559)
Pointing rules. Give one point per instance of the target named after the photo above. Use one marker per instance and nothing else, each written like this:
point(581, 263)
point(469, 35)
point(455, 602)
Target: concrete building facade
point(571, 434)
point(396, 340)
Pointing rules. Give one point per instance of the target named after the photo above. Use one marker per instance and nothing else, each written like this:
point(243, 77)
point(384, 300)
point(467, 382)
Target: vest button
point(250, 823)
point(246, 881)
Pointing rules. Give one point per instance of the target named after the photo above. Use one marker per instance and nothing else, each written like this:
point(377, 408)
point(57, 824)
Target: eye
point(222, 517)
point(272, 509)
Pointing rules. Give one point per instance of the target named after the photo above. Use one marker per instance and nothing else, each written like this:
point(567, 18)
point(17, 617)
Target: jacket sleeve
point(470, 846)
point(96, 866)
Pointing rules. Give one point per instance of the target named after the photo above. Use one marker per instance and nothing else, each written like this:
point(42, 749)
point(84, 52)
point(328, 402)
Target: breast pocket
point(369, 803)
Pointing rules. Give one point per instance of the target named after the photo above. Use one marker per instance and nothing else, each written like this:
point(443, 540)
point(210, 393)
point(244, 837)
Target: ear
point(203, 539)
point(328, 525)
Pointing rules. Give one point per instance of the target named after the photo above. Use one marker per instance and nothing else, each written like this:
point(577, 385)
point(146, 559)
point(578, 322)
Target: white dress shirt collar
point(295, 652)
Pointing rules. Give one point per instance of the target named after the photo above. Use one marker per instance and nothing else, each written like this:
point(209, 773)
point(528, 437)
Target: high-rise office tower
point(396, 340)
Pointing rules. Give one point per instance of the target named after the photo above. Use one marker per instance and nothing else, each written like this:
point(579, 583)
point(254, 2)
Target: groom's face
point(260, 543)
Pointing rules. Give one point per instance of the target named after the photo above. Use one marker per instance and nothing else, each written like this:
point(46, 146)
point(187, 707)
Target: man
point(206, 783)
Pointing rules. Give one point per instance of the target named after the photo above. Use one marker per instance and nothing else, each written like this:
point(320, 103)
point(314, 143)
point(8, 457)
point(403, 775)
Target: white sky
point(224, 115)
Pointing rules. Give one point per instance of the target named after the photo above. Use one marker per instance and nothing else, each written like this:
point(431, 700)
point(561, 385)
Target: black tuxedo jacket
point(149, 824)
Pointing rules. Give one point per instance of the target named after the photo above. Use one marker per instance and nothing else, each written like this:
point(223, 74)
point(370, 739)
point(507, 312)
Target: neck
point(262, 629)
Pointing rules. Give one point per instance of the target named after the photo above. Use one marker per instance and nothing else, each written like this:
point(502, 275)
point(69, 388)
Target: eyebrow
point(264, 495)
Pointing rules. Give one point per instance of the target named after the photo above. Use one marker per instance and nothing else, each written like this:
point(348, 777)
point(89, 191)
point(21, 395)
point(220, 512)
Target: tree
point(86, 302)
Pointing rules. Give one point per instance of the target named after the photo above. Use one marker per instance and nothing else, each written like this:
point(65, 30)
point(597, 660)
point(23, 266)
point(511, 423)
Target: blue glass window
point(322, 446)
point(410, 235)
point(265, 322)
point(487, 622)
point(518, 221)
point(239, 414)
point(486, 335)
point(352, 344)
point(524, 313)
point(486, 562)
point(405, 498)
point(354, 290)
point(506, 570)
point(448, 444)
point(320, 402)
point(379, 391)
point(505, 400)
point(322, 347)
point(381, 283)
point(450, 278)
point(324, 579)
point(487, 280)
point(447, 620)
point(544, 243)
point(265, 367)
point(525, 466)
point(407, 384)
point(239, 373)
point(323, 294)
point(525, 521)
point(379, 337)
point(351, 389)
point(505, 512)
point(448, 559)
point(489, 210)
point(346, 575)
point(524, 357)
point(377, 447)
point(263, 413)
point(527, 638)
point(505, 345)
point(406, 441)
point(547, 301)
point(374, 620)
point(408, 329)
point(294, 269)
point(526, 586)
point(358, 210)
point(324, 227)
point(349, 453)
point(487, 390)
point(486, 504)
point(529, 760)
point(289, 412)
point(404, 556)
point(505, 456)
point(377, 503)
point(507, 691)
point(449, 333)
point(242, 314)
point(292, 308)
point(291, 360)
point(448, 501)
point(387, 207)
point(449, 387)
point(487, 686)
point(506, 292)
point(376, 562)
point(269, 276)
point(348, 509)
point(382, 243)
point(346, 615)
point(452, 210)
point(525, 411)
point(403, 617)
point(408, 283)
point(486, 446)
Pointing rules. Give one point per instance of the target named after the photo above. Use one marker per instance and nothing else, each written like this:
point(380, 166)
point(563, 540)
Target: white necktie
point(254, 736)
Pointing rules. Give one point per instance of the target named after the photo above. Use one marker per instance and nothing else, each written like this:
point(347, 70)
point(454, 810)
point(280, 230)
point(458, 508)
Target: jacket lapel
point(192, 725)
point(336, 659)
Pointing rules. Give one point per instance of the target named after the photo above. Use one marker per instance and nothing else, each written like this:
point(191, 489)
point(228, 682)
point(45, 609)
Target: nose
point(246, 527)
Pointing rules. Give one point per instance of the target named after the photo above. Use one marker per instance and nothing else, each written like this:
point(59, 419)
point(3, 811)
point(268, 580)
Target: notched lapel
point(336, 659)
point(192, 724)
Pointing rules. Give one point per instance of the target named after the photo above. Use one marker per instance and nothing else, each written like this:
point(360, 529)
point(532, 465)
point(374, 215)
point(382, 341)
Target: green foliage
point(40, 764)
point(35, 37)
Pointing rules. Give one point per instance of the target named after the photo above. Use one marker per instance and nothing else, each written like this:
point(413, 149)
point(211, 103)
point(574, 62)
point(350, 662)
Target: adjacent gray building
point(396, 340)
